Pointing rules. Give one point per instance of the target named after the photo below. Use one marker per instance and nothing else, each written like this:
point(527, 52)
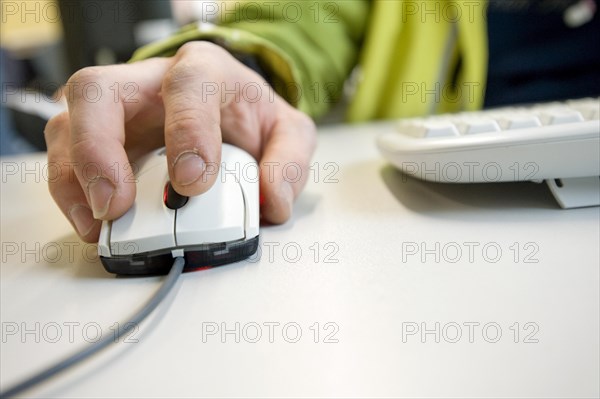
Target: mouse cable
point(137, 318)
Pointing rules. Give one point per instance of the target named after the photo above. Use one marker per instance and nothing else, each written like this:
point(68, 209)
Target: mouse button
point(172, 199)
point(248, 171)
point(148, 225)
point(149, 161)
point(250, 190)
point(104, 239)
point(215, 216)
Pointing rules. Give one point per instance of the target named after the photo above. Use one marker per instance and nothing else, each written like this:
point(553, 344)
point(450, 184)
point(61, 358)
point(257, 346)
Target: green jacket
point(414, 57)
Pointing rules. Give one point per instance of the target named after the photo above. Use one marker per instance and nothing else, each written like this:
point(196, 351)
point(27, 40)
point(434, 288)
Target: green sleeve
point(307, 48)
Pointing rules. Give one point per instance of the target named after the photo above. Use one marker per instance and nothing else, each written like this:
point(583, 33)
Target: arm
point(173, 106)
point(306, 48)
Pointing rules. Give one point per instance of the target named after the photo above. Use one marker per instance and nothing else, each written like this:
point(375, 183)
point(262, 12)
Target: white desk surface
point(546, 279)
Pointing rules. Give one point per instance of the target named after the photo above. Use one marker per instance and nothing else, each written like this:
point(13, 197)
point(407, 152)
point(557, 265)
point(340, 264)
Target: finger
point(62, 182)
point(191, 96)
point(98, 115)
point(244, 123)
point(285, 163)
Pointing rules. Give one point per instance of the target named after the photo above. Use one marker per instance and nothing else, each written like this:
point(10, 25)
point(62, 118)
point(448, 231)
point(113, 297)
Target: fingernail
point(82, 218)
point(189, 167)
point(101, 191)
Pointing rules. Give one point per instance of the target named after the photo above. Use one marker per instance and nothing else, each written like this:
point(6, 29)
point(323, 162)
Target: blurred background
point(42, 42)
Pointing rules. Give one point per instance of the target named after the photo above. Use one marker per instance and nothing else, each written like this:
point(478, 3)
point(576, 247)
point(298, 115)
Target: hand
point(190, 102)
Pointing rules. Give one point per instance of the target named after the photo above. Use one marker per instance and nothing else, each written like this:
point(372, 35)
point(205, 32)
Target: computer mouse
point(215, 228)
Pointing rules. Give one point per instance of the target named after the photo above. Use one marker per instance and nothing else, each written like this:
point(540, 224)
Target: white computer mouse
point(215, 228)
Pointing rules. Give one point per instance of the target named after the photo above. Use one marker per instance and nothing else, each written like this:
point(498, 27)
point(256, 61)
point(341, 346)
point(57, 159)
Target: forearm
point(306, 48)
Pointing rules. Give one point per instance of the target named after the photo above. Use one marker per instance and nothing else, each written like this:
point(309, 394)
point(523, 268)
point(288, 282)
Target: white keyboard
point(555, 142)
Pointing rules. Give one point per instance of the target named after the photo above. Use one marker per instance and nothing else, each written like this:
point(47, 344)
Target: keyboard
point(557, 142)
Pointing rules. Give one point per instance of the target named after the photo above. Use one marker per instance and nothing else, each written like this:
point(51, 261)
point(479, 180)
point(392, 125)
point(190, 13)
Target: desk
point(379, 286)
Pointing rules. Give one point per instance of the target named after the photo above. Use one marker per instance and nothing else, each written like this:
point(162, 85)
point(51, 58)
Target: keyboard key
point(476, 126)
point(428, 129)
point(440, 129)
point(559, 117)
point(519, 122)
point(581, 101)
point(527, 117)
point(589, 110)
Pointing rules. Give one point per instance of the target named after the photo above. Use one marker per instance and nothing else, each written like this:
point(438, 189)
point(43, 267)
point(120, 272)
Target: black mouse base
point(196, 257)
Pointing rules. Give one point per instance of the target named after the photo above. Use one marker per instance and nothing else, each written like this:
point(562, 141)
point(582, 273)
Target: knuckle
point(81, 78)
point(194, 59)
point(87, 75)
point(179, 74)
point(81, 147)
point(54, 188)
point(182, 122)
point(82, 143)
point(55, 125)
point(195, 47)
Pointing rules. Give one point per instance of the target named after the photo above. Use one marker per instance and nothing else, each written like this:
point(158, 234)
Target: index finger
point(97, 117)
